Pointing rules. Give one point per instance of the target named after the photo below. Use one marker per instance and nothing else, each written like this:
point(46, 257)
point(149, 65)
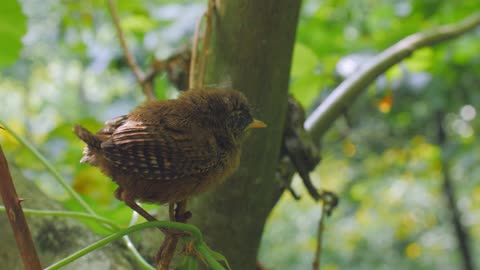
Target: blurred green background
point(383, 158)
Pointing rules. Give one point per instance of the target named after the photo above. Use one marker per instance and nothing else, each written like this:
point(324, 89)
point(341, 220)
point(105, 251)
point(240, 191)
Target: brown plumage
point(166, 151)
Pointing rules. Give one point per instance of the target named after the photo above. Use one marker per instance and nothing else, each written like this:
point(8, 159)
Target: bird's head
point(228, 111)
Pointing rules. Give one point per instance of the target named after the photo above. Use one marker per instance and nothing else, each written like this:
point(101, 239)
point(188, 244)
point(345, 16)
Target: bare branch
point(206, 39)
point(193, 63)
point(318, 249)
point(329, 201)
point(460, 230)
point(137, 72)
point(16, 217)
point(194, 80)
point(325, 114)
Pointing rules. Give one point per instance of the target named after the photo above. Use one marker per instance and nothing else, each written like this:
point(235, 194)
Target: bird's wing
point(112, 125)
point(161, 151)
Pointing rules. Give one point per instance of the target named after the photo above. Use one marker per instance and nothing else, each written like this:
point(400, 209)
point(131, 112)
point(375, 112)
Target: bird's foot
point(183, 217)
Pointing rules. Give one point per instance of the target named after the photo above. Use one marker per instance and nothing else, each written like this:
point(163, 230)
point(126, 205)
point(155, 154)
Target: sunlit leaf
point(137, 23)
point(420, 60)
point(413, 251)
point(12, 28)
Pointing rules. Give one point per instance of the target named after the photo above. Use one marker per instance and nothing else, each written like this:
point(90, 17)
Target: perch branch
point(17, 218)
point(330, 109)
point(167, 250)
point(137, 72)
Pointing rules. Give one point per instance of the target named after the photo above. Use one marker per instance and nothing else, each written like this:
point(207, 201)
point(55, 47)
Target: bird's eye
point(239, 120)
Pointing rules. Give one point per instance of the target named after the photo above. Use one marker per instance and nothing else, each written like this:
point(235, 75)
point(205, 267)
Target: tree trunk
point(252, 44)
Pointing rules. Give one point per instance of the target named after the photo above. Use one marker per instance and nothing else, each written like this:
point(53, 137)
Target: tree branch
point(325, 114)
point(461, 233)
point(193, 62)
point(194, 81)
point(137, 72)
point(17, 218)
point(333, 107)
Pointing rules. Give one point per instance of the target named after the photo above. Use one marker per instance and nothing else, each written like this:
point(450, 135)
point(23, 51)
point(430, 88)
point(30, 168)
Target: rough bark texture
point(56, 237)
point(17, 219)
point(251, 46)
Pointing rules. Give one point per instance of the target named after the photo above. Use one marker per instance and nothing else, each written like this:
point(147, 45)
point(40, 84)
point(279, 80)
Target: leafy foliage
point(382, 158)
point(12, 28)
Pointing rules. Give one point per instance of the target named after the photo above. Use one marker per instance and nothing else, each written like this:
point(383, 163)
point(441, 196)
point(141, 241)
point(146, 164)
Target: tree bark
point(251, 46)
point(16, 217)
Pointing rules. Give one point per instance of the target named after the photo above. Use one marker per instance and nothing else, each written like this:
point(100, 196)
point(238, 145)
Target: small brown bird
point(166, 151)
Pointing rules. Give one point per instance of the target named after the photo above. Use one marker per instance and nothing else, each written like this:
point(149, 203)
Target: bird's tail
point(90, 139)
point(93, 143)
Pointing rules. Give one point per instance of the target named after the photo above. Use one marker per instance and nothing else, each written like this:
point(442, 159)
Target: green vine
point(144, 264)
point(196, 237)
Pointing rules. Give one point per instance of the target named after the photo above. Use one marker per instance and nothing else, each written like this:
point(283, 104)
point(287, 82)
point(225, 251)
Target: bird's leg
point(181, 213)
point(171, 211)
point(165, 253)
point(124, 196)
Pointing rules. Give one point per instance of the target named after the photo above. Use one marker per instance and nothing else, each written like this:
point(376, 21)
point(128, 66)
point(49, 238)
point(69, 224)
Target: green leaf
point(12, 28)
point(421, 60)
point(137, 23)
point(305, 83)
point(189, 263)
point(304, 60)
point(219, 257)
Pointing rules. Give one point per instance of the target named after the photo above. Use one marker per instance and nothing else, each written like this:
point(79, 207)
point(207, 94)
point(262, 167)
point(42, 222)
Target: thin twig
point(461, 232)
point(137, 72)
point(329, 201)
point(150, 76)
point(318, 250)
point(192, 82)
point(17, 218)
point(292, 191)
point(206, 39)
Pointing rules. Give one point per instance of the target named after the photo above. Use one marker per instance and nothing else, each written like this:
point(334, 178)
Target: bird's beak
point(256, 124)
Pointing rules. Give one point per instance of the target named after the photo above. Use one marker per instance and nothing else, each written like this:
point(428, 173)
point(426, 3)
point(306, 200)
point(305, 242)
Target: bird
point(167, 151)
